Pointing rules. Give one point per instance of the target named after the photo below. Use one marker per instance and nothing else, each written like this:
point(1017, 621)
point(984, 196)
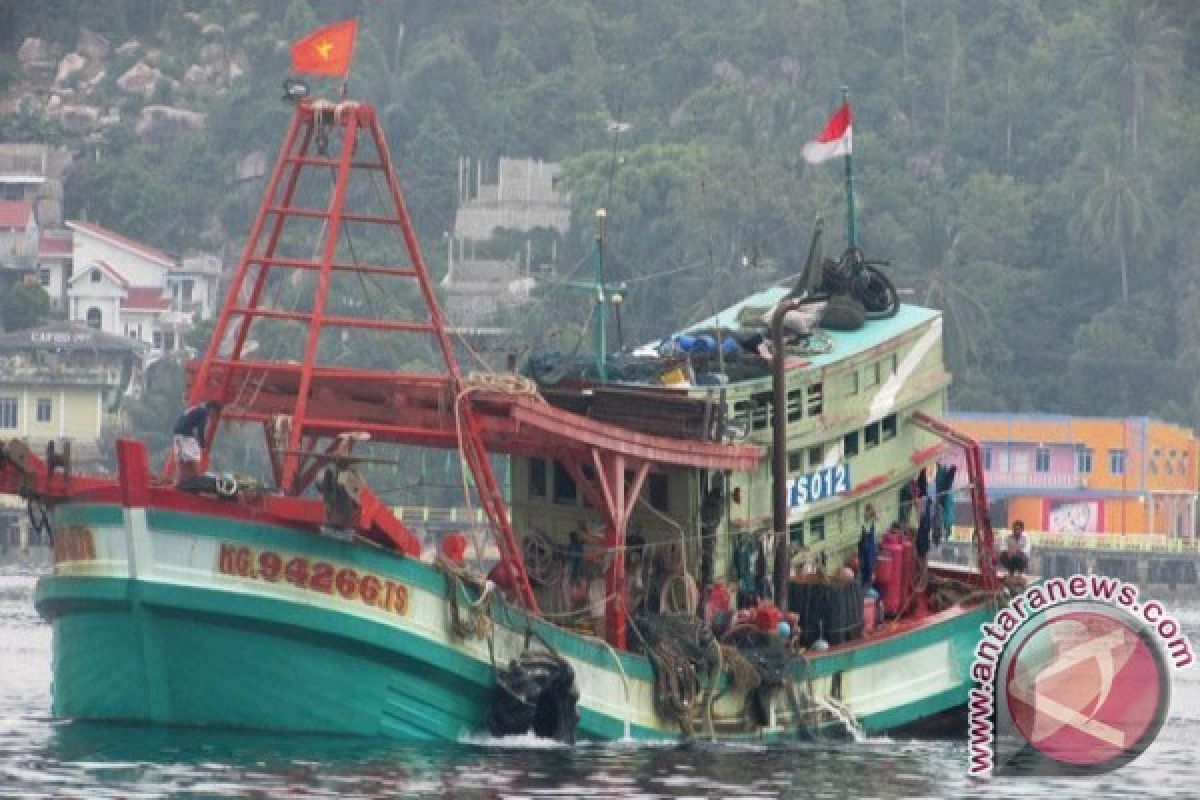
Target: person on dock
point(190, 434)
point(1017, 551)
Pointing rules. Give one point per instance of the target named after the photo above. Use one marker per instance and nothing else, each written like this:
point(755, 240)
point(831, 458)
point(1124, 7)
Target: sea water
point(43, 758)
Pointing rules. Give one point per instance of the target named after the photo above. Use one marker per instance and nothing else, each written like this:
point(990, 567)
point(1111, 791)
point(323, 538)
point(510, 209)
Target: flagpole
point(851, 233)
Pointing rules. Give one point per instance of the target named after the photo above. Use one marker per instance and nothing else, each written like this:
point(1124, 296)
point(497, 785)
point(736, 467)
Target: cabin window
point(816, 529)
point(816, 454)
point(95, 319)
point(1116, 462)
point(45, 409)
point(872, 374)
point(537, 477)
point(795, 461)
point(8, 412)
point(851, 383)
point(758, 409)
point(1041, 461)
point(564, 485)
point(796, 534)
point(887, 427)
point(96, 276)
point(891, 362)
point(169, 340)
point(1083, 460)
point(656, 490)
point(871, 436)
point(816, 399)
point(795, 404)
point(850, 444)
point(44, 277)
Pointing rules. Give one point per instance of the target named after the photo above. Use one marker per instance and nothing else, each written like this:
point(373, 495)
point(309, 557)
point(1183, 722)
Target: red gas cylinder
point(893, 590)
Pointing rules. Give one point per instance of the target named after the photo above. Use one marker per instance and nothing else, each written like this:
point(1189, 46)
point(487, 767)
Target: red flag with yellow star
point(326, 51)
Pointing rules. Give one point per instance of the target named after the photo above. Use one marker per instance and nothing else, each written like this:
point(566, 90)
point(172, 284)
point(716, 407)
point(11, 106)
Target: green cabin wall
point(847, 388)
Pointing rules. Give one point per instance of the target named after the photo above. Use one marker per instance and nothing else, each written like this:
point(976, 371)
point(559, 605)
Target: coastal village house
point(65, 382)
point(1064, 474)
point(126, 288)
point(18, 233)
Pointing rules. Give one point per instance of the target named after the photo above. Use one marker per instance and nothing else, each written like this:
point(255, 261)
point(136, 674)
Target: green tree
point(1137, 55)
point(24, 306)
point(1116, 212)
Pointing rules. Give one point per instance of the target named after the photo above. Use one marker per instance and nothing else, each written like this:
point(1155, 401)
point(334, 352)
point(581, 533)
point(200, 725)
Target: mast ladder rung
point(336, 322)
point(337, 266)
point(321, 213)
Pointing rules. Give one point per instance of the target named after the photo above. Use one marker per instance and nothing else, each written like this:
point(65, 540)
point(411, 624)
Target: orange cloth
point(326, 51)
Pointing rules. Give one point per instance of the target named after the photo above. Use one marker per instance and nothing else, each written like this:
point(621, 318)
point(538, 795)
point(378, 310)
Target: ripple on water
point(40, 758)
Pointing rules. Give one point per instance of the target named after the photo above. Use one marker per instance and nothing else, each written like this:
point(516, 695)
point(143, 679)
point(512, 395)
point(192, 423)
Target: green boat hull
point(149, 629)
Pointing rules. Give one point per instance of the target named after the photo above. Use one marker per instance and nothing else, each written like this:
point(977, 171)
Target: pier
point(1144, 559)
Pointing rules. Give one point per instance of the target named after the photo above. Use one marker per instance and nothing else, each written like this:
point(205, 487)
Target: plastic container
point(870, 609)
point(674, 377)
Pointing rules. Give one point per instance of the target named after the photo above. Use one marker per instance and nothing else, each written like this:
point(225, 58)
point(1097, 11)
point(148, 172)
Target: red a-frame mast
point(315, 402)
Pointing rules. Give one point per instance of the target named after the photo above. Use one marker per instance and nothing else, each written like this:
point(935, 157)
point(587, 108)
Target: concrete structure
point(1063, 474)
point(18, 233)
point(127, 288)
point(525, 196)
point(526, 199)
point(33, 173)
point(54, 264)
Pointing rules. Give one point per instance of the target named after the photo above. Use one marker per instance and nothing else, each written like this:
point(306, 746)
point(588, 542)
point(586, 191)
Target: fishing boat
point(672, 558)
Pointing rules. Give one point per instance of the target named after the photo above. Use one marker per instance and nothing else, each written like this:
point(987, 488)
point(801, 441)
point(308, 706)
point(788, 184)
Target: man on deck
point(189, 438)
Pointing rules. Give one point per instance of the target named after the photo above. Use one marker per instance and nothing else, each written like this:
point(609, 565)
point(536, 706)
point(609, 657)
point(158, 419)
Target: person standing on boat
point(866, 546)
point(190, 434)
point(1017, 551)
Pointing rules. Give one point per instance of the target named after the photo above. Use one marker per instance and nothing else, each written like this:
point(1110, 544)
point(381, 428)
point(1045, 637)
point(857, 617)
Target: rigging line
point(487, 367)
point(291, 305)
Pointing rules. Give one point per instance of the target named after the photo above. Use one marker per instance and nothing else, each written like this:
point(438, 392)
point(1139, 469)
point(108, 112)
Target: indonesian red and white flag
point(836, 140)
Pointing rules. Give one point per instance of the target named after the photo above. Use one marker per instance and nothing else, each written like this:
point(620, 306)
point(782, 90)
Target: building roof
point(146, 298)
point(104, 267)
point(68, 336)
point(15, 213)
point(124, 242)
point(54, 244)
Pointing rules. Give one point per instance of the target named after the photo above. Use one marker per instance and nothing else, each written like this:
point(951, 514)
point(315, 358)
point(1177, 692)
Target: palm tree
point(943, 284)
point(1117, 210)
point(1138, 54)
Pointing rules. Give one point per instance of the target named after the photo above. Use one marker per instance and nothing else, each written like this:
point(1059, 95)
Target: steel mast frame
point(310, 122)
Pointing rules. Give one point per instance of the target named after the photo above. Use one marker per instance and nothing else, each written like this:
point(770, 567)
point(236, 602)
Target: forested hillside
point(1031, 168)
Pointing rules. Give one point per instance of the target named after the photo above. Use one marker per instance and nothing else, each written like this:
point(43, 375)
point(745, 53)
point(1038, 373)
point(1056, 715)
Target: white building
point(127, 288)
point(54, 265)
point(18, 233)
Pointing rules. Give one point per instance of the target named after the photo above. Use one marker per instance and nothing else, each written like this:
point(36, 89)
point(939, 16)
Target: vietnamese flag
point(326, 51)
point(836, 140)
